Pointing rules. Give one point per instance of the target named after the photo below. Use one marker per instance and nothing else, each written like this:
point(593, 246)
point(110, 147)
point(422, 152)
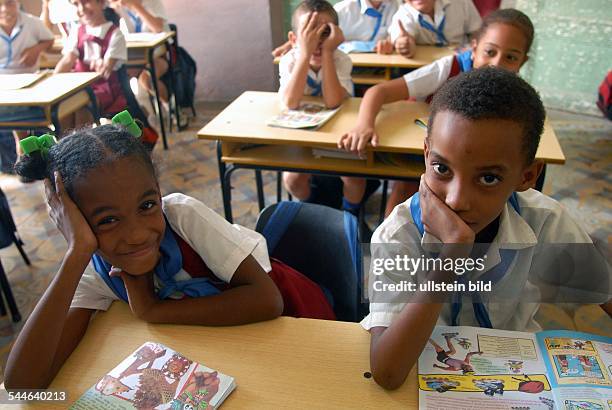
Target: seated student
point(433, 22)
point(145, 16)
point(503, 40)
point(172, 259)
point(484, 130)
point(367, 20)
point(23, 37)
point(95, 45)
point(316, 67)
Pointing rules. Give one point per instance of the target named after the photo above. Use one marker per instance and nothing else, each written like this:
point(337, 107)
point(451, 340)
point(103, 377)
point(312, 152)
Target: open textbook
point(156, 377)
point(308, 115)
point(476, 368)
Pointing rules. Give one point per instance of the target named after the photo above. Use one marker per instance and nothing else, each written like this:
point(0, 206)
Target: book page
point(468, 367)
point(580, 366)
point(157, 377)
point(10, 82)
point(308, 115)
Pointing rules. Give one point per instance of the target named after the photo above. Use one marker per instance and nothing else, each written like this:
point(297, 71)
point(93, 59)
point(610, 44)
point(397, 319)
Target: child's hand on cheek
point(140, 290)
point(309, 36)
point(441, 221)
point(69, 219)
point(336, 37)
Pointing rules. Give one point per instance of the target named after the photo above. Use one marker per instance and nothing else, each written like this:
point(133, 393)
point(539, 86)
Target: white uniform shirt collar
point(439, 12)
point(18, 26)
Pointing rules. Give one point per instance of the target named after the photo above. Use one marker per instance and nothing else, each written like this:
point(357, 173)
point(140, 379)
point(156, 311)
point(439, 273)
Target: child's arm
point(375, 97)
point(29, 56)
point(442, 367)
point(469, 356)
point(395, 350)
point(282, 49)
point(44, 15)
point(66, 64)
point(53, 330)
point(308, 40)
point(333, 91)
point(253, 297)
point(104, 67)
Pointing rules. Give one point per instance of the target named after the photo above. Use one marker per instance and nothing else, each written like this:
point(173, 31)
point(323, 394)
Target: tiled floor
point(583, 185)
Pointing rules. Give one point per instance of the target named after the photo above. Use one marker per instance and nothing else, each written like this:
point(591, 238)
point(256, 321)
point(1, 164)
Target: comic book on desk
point(468, 367)
point(157, 377)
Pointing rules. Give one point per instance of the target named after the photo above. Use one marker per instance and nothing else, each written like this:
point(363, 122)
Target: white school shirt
point(116, 48)
point(357, 25)
point(462, 18)
point(28, 32)
point(221, 245)
point(344, 66)
point(542, 220)
point(426, 80)
point(129, 23)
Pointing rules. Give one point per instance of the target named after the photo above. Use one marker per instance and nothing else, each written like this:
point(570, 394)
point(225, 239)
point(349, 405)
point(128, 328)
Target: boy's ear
point(292, 38)
point(530, 176)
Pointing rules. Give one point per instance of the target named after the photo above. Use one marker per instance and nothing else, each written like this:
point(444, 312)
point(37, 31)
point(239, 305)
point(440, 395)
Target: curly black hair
point(308, 6)
point(82, 151)
point(494, 93)
point(511, 17)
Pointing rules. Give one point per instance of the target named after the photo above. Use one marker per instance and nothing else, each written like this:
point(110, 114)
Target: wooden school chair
point(322, 243)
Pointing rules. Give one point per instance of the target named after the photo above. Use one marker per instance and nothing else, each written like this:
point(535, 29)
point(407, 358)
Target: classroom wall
point(571, 52)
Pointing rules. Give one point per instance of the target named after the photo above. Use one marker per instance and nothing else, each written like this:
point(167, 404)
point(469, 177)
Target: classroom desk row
point(424, 55)
point(245, 141)
point(282, 363)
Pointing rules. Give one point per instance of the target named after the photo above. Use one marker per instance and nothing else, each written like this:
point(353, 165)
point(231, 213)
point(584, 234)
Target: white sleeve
point(71, 42)
point(473, 21)
point(92, 292)
point(426, 80)
point(221, 245)
point(117, 48)
point(285, 67)
point(344, 67)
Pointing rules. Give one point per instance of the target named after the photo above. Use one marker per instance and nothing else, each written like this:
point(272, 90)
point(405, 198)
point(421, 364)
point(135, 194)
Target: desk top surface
point(48, 90)
point(424, 55)
point(244, 121)
point(282, 363)
point(133, 40)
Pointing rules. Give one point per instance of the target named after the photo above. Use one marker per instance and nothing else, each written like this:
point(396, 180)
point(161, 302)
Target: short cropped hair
point(511, 17)
point(309, 6)
point(494, 93)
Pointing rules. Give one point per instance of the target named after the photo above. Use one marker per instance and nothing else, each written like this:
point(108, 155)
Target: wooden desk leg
point(155, 88)
point(279, 186)
point(383, 201)
point(540, 182)
point(388, 73)
point(8, 294)
point(55, 121)
point(260, 193)
point(224, 179)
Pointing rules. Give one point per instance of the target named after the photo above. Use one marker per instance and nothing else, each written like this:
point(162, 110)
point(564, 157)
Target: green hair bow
point(125, 118)
point(34, 143)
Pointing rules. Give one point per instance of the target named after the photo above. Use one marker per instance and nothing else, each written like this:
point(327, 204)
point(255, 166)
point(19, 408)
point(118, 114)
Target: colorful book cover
point(157, 377)
point(308, 115)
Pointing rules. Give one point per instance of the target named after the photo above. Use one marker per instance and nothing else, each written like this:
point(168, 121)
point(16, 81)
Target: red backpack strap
point(107, 38)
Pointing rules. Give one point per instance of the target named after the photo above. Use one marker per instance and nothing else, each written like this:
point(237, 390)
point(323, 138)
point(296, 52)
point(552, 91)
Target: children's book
point(358, 47)
point(308, 115)
point(468, 367)
point(157, 377)
point(334, 153)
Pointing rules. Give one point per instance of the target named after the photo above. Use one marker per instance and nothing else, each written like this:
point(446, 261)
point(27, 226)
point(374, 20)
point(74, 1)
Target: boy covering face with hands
point(315, 66)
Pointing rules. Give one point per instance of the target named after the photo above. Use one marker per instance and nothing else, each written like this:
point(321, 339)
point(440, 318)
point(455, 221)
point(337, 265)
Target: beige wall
point(230, 40)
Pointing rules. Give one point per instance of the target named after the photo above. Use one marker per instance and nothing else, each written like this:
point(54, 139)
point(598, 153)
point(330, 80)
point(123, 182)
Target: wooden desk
point(57, 94)
point(243, 122)
point(423, 56)
point(283, 363)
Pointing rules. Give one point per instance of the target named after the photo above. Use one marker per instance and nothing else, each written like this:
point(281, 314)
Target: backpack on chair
point(184, 71)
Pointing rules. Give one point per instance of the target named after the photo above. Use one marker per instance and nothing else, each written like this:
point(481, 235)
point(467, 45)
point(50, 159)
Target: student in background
point(367, 20)
point(95, 45)
point(433, 22)
point(145, 16)
point(484, 131)
point(316, 67)
point(172, 259)
point(503, 40)
point(22, 38)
